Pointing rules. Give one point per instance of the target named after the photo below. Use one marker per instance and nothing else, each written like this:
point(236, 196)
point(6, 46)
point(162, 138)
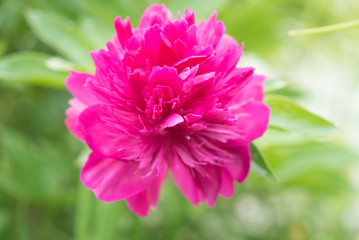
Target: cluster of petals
point(166, 97)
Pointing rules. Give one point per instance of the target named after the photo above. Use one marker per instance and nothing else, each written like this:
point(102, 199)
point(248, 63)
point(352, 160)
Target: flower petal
point(240, 165)
point(209, 181)
point(228, 53)
point(171, 120)
point(112, 180)
point(211, 31)
point(141, 202)
point(123, 29)
point(199, 183)
point(227, 187)
point(73, 113)
point(155, 14)
point(185, 182)
point(253, 118)
point(158, 48)
point(232, 155)
point(253, 90)
point(189, 16)
point(75, 84)
point(111, 132)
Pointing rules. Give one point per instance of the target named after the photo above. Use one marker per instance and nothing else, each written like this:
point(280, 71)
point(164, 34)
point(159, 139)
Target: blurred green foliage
point(41, 196)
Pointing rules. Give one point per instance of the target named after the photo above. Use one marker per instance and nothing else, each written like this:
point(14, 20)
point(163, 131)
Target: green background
point(316, 197)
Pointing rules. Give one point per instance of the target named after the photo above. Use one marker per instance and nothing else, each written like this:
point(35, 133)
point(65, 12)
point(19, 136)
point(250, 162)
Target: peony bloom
point(166, 97)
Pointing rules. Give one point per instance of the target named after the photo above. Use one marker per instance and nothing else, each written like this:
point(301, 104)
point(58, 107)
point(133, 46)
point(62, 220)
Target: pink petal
point(113, 180)
point(227, 187)
point(155, 14)
point(123, 29)
point(73, 113)
point(189, 62)
point(209, 182)
point(141, 202)
point(253, 118)
point(232, 155)
point(184, 180)
point(211, 31)
point(253, 90)
point(152, 43)
point(171, 120)
point(232, 86)
point(240, 165)
point(180, 49)
point(189, 16)
point(111, 132)
point(228, 53)
point(165, 76)
point(110, 83)
point(199, 183)
point(75, 84)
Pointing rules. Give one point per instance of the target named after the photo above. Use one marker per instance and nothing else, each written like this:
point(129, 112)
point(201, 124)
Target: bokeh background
point(316, 198)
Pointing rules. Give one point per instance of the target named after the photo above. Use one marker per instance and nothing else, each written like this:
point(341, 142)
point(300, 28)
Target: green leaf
point(98, 32)
point(260, 165)
point(288, 115)
point(61, 34)
point(271, 85)
point(34, 68)
point(301, 159)
point(10, 14)
point(109, 9)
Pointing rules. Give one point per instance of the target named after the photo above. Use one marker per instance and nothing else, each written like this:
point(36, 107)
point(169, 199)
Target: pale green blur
point(316, 198)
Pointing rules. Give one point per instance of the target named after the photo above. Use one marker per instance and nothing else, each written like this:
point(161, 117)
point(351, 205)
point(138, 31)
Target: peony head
point(166, 97)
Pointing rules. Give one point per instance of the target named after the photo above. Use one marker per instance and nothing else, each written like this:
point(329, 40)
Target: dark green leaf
point(260, 165)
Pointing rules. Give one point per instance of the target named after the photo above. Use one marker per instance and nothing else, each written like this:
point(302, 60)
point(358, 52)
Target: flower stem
point(325, 29)
point(83, 213)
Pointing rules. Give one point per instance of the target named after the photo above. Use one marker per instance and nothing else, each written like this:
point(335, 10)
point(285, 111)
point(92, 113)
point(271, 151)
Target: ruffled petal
point(227, 186)
point(155, 14)
point(141, 202)
point(123, 29)
point(198, 184)
point(232, 155)
point(185, 181)
point(233, 86)
point(110, 83)
point(112, 132)
point(164, 76)
point(239, 166)
point(73, 113)
point(112, 180)
point(211, 31)
point(75, 84)
point(253, 118)
point(171, 120)
point(253, 90)
point(158, 48)
point(228, 53)
point(209, 182)
point(189, 16)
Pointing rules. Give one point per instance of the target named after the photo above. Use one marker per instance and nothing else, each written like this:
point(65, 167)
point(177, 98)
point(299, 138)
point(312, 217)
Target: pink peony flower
point(166, 96)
